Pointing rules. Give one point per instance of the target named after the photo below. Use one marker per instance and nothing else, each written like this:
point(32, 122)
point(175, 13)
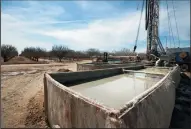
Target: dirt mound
point(22, 60)
point(64, 70)
point(35, 112)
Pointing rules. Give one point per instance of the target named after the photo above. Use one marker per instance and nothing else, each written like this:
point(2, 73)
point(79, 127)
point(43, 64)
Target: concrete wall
point(153, 109)
point(72, 77)
point(67, 108)
point(91, 66)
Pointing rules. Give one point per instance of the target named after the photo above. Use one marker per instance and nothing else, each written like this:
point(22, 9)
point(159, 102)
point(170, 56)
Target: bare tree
point(93, 52)
point(8, 51)
point(80, 54)
point(123, 52)
point(59, 51)
point(49, 54)
point(71, 54)
point(33, 53)
point(39, 52)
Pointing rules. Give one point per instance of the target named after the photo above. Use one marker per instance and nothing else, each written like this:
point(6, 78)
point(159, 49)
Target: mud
point(64, 70)
point(118, 89)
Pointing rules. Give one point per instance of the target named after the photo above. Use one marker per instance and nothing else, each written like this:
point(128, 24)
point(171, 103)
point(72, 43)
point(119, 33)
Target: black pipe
point(147, 14)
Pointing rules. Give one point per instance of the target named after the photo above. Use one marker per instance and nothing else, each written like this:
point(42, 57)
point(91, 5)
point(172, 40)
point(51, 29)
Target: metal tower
point(152, 22)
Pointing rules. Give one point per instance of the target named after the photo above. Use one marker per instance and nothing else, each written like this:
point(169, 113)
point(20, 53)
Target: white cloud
point(17, 23)
point(109, 33)
point(14, 32)
point(104, 34)
point(120, 31)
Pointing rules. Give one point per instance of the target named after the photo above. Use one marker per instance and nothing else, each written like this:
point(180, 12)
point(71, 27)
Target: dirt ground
point(23, 60)
point(22, 93)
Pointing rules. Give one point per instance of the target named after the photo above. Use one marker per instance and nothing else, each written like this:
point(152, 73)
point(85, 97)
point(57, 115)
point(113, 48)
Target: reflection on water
point(117, 90)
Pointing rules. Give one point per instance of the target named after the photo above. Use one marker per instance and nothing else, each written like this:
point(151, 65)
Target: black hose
point(148, 13)
point(146, 17)
point(135, 47)
point(138, 27)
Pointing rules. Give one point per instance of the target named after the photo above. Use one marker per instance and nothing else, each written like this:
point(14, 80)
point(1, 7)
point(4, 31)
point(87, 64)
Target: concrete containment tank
point(117, 98)
point(102, 65)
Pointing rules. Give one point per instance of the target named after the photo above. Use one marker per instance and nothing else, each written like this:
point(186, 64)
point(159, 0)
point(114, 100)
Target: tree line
point(58, 51)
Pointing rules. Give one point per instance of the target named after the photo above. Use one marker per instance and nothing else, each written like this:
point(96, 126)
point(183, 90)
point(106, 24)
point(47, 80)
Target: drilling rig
point(154, 45)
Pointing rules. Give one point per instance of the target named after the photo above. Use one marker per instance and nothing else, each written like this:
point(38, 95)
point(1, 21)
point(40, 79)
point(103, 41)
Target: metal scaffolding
point(152, 22)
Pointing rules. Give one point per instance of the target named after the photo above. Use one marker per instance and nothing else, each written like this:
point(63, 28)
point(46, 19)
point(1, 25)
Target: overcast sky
point(106, 25)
